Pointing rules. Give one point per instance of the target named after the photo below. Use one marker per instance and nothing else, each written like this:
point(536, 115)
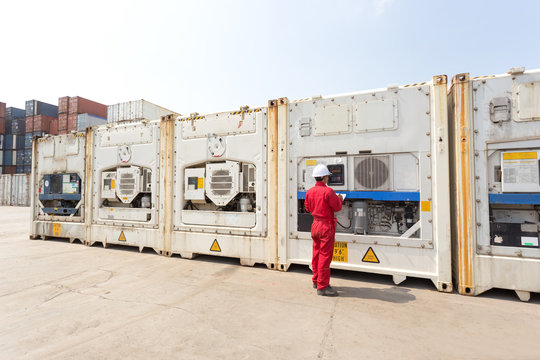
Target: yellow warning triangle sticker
point(122, 237)
point(370, 256)
point(215, 246)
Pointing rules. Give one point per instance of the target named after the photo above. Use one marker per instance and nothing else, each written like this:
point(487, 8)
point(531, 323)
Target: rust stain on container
point(464, 236)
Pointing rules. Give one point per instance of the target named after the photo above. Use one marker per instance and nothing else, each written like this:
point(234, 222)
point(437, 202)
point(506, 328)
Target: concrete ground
point(69, 301)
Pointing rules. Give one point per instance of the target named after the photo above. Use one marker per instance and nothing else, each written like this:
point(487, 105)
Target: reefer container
point(58, 186)
point(124, 169)
point(136, 110)
point(221, 189)
point(495, 181)
point(14, 113)
point(79, 105)
point(88, 120)
point(387, 150)
point(35, 107)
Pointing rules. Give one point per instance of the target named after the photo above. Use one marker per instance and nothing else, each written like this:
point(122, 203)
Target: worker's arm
point(334, 201)
point(307, 203)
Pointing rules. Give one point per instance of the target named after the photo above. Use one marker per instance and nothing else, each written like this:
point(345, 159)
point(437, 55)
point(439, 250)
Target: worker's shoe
point(314, 285)
point(327, 291)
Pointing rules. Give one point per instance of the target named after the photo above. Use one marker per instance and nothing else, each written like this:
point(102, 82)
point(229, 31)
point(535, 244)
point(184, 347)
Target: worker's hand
point(340, 197)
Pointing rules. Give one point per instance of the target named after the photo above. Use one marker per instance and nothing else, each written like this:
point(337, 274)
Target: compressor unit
point(60, 194)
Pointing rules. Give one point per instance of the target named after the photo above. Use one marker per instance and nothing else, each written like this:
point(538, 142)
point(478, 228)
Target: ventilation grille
point(248, 178)
point(372, 173)
point(127, 184)
point(221, 182)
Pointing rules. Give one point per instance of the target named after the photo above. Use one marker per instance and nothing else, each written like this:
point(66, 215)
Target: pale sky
point(206, 56)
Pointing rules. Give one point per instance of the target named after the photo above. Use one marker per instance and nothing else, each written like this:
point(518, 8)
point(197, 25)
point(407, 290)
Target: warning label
point(341, 253)
point(370, 256)
point(215, 246)
point(425, 205)
point(56, 229)
point(122, 237)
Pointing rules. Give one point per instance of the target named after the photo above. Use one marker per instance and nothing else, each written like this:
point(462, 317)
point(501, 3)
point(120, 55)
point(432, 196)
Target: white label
point(529, 241)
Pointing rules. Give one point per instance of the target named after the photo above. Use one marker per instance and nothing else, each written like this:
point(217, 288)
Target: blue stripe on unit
point(515, 199)
point(376, 195)
point(59, 196)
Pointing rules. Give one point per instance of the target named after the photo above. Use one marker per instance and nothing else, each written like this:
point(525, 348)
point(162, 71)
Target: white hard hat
point(320, 171)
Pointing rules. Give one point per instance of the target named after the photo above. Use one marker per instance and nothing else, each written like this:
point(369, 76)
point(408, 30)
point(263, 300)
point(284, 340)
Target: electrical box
point(108, 188)
point(520, 171)
point(194, 184)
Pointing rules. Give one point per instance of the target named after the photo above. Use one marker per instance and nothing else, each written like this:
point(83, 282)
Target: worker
point(322, 202)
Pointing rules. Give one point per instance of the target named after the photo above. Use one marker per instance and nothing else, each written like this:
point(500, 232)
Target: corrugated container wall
point(72, 122)
point(136, 110)
point(14, 190)
point(63, 104)
point(62, 123)
point(29, 124)
point(79, 105)
point(42, 123)
point(18, 126)
point(14, 113)
point(2, 118)
point(35, 107)
point(87, 120)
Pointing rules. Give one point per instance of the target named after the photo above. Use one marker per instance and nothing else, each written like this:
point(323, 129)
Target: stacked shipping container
point(13, 141)
point(71, 108)
point(2, 133)
point(39, 117)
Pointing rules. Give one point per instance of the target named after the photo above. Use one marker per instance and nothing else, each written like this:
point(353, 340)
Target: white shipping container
point(14, 190)
point(136, 110)
point(5, 190)
point(387, 150)
point(495, 181)
point(1, 157)
point(1, 141)
point(14, 158)
point(86, 120)
point(20, 194)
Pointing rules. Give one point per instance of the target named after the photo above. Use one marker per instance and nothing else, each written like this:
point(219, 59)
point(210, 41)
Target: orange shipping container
point(63, 104)
point(62, 122)
point(72, 122)
point(29, 124)
point(79, 105)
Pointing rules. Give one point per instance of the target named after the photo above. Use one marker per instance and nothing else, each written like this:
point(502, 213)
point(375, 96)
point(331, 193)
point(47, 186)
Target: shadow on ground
point(397, 295)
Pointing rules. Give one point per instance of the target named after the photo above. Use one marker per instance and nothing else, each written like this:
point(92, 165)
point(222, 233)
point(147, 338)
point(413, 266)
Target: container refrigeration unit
point(222, 200)
point(496, 181)
point(387, 150)
point(58, 187)
point(124, 186)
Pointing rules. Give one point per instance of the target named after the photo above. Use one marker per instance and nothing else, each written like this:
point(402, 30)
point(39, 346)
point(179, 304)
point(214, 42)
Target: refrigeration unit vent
point(221, 182)
point(127, 184)
point(372, 173)
point(248, 178)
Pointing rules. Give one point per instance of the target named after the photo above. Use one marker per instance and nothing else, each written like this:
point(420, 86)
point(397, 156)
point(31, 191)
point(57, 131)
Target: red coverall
point(322, 202)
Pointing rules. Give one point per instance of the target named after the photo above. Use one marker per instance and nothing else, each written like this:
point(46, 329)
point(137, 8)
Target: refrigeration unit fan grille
point(372, 173)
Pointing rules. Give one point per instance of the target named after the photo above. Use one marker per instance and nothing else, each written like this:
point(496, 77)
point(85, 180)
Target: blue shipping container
point(8, 161)
point(35, 107)
point(19, 169)
point(27, 160)
point(8, 126)
point(20, 157)
point(20, 142)
point(14, 113)
point(28, 140)
point(27, 169)
point(8, 142)
point(17, 126)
